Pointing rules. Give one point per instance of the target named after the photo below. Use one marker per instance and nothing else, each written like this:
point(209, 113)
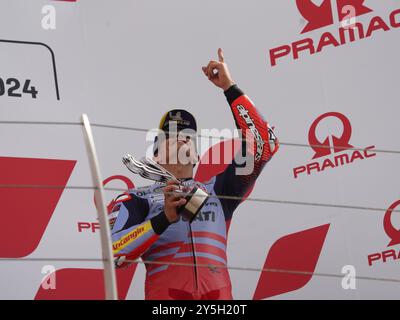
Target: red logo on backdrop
point(390, 230)
point(85, 284)
point(128, 185)
point(81, 283)
point(207, 169)
point(32, 207)
point(94, 226)
point(393, 234)
point(321, 15)
point(297, 252)
point(335, 150)
point(339, 144)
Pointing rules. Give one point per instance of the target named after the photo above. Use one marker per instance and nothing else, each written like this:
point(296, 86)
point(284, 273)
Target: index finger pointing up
point(220, 55)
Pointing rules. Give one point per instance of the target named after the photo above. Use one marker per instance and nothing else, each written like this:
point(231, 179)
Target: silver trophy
point(151, 170)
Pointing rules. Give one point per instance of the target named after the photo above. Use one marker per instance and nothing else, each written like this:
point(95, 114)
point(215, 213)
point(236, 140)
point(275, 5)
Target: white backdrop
point(126, 62)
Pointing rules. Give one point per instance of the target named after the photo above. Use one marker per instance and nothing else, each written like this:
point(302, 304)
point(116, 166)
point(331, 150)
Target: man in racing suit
point(186, 260)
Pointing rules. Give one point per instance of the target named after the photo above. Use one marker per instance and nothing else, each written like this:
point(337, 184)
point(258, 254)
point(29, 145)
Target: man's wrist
point(160, 223)
point(232, 93)
point(227, 86)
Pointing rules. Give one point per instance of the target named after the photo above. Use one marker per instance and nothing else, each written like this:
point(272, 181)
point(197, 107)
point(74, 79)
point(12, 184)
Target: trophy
point(151, 170)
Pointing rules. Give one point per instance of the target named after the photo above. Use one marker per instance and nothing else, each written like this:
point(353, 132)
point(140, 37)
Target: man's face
point(178, 149)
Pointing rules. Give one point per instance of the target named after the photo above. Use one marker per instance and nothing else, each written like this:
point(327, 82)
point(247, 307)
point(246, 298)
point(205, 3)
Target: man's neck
point(179, 171)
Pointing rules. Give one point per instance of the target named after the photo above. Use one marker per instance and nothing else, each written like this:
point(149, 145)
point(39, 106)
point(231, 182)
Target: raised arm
point(257, 136)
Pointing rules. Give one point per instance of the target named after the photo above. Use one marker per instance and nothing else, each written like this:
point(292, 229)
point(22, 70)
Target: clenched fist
point(172, 201)
point(218, 73)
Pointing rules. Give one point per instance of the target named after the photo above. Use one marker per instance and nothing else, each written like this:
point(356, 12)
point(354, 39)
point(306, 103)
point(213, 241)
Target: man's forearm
point(249, 121)
point(134, 241)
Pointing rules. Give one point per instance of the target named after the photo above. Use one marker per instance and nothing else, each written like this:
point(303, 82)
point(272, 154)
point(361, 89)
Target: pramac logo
point(390, 230)
point(93, 226)
point(394, 235)
point(339, 144)
point(319, 16)
point(338, 148)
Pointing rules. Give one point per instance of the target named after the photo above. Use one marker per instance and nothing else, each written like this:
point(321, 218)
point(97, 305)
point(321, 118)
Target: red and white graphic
point(297, 252)
point(85, 284)
point(391, 231)
point(32, 206)
point(319, 16)
point(207, 169)
point(339, 143)
point(125, 180)
point(88, 284)
point(337, 148)
point(394, 235)
point(93, 226)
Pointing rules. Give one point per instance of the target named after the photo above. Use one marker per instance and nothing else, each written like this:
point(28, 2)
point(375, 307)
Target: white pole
point(105, 233)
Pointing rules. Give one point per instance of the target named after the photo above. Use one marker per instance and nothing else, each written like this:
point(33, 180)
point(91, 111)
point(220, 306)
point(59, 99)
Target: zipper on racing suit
point(194, 259)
